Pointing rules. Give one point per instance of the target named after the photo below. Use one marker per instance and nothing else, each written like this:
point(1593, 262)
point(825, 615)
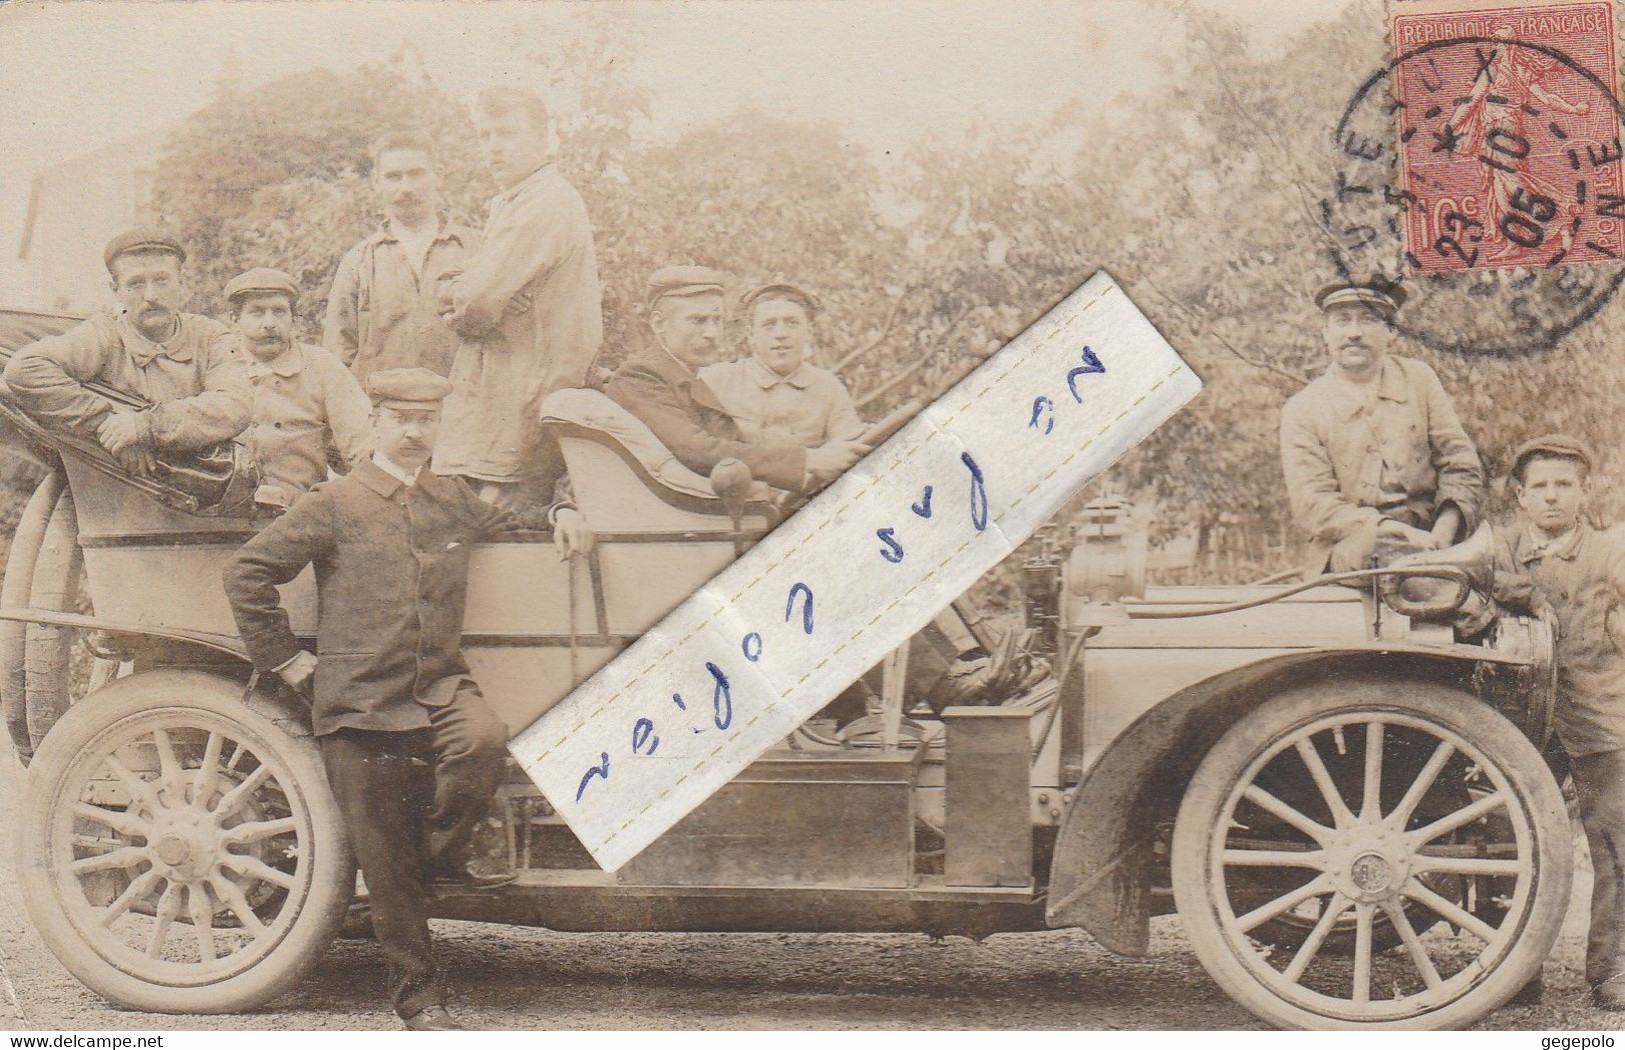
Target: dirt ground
point(511, 978)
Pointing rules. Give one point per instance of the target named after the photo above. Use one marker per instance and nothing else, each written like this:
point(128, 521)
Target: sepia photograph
point(829, 515)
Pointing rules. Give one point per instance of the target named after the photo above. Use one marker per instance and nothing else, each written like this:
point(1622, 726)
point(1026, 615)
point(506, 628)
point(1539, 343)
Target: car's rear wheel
point(180, 850)
point(1412, 807)
point(49, 648)
point(15, 592)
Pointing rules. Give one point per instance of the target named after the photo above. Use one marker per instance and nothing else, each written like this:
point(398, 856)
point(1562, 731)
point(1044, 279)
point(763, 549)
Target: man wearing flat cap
point(776, 393)
point(661, 386)
point(412, 751)
point(1549, 561)
point(526, 304)
point(307, 405)
point(1373, 446)
point(180, 368)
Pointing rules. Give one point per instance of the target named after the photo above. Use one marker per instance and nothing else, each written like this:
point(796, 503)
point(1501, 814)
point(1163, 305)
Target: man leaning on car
point(182, 366)
point(412, 751)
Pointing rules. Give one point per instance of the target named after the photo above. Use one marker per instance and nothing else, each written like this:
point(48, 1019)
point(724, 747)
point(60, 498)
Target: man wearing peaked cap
point(184, 386)
point(1386, 299)
point(308, 408)
point(412, 751)
point(661, 386)
point(1373, 446)
point(776, 393)
point(407, 388)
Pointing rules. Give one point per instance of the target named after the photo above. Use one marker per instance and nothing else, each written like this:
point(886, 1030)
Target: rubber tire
point(288, 737)
point(49, 648)
point(14, 593)
point(1452, 709)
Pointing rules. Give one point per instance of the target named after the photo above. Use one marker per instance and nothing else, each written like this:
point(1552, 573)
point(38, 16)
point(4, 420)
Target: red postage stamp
point(1509, 133)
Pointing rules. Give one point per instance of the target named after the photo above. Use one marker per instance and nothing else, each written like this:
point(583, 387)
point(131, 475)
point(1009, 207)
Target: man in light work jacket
point(383, 309)
point(660, 386)
point(184, 366)
point(1374, 445)
point(412, 751)
point(527, 305)
point(307, 406)
point(775, 393)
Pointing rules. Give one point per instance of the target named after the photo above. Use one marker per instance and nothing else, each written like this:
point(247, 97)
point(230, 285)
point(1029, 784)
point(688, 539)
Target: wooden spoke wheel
point(1411, 822)
point(181, 851)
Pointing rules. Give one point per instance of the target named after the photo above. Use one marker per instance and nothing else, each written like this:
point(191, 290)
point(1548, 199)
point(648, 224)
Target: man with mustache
point(383, 309)
point(307, 405)
point(1373, 446)
point(527, 305)
point(182, 366)
point(413, 752)
point(776, 393)
point(661, 386)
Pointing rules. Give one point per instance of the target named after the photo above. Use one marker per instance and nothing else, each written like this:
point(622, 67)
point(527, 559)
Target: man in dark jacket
point(660, 386)
point(413, 753)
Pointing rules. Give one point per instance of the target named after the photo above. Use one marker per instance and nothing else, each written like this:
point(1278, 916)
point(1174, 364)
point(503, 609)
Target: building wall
point(75, 208)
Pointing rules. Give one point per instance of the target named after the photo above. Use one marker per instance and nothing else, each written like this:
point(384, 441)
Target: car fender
point(1105, 852)
point(274, 703)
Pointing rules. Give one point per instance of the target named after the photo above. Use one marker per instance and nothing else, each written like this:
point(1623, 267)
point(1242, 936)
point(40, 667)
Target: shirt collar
point(142, 350)
point(289, 362)
point(1537, 546)
point(513, 191)
point(767, 379)
point(445, 231)
point(1352, 397)
point(395, 470)
point(671, 361)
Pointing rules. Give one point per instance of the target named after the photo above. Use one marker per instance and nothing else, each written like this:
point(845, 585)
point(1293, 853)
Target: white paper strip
point(849, 577)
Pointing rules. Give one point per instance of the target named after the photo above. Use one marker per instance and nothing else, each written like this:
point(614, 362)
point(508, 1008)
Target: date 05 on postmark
point(1509, 133)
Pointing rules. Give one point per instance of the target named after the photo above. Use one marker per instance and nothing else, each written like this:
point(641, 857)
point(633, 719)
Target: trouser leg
point(471, 751)
point(1599, 780)
point(383, 785)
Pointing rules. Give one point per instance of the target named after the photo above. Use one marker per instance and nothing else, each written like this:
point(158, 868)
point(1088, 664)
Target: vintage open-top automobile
point(1336, 783)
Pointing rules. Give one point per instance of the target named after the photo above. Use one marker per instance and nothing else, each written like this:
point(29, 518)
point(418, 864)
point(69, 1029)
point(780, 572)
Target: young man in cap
point(182, 366)
point(413, 753)
point(1374, 445)
point(661, 386)
point(527, 305)
point(776, 393)
point(1551, 562)
point(306, 404)
point(383, 309)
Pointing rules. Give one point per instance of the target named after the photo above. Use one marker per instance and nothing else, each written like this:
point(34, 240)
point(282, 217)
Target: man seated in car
point(181, 368)
point(308, 408)
point(1373, 447)
point(776, 393)
point(661, 386)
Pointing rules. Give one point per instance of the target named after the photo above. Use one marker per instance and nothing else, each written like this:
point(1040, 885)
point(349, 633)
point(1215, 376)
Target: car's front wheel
point(180, 851)
point(1403, 814)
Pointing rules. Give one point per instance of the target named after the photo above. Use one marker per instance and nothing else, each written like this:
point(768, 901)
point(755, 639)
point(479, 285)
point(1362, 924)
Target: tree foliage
point(1203, 199)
